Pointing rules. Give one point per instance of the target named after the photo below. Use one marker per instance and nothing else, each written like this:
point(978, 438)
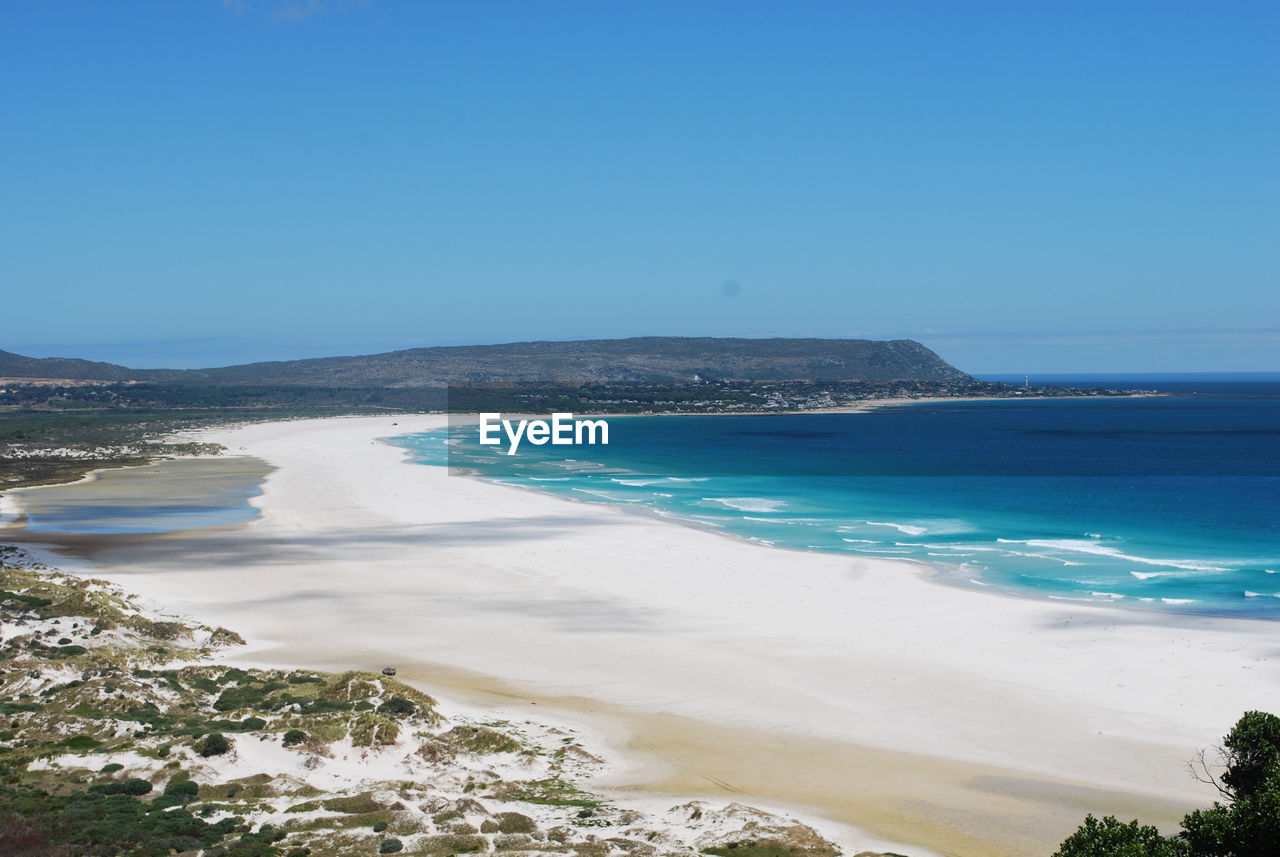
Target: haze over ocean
point(1166, 503)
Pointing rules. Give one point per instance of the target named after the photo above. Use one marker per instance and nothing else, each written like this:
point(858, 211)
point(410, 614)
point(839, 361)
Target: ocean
point(1165, 503)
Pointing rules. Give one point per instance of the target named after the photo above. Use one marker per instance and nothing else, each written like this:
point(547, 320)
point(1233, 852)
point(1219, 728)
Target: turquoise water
point(1162, 503)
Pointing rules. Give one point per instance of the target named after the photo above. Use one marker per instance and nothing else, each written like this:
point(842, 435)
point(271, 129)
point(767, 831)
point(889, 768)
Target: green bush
point(94, 824)
point(294, 737)
point(397, 706)
point(1112, 838)
point(81, 743)
point(214, 744)
point(305, 679)
point(1246, 825)
point(135, 786)
point(390, 846)
point(246, 695)
point(1251, 752)
point(185, 790)
point(132, 786)
point(112, 768)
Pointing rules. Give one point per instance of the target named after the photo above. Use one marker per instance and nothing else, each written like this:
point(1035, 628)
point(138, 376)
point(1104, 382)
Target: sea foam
point(1079, 546)
point(748, 504)
point(909, 529)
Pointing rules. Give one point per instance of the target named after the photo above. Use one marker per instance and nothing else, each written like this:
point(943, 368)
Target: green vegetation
point(184, 790)
point(214, 744)
point(90, 810)
point(750, 849)
point(117, 751)
point(42, 444)
point(479, 740)
point(102, 824)
point(552, 791)
point(655, 358)
point(397, 706)
point(1246, 823)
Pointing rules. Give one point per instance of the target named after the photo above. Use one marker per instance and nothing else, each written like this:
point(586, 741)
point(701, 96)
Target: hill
point(16, 366)
point(591, 361)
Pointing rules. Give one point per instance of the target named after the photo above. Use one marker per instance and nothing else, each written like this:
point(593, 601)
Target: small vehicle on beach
point(388, 670)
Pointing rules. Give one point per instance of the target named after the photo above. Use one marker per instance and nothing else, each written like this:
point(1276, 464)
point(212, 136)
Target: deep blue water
point(1160, 503)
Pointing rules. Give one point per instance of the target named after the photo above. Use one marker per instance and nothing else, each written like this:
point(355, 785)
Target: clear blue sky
point(1023, 186)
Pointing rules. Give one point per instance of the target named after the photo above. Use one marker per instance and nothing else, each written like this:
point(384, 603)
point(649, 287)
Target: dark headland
point(60, 417)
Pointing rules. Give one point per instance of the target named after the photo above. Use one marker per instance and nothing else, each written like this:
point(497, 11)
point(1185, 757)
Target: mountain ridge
point(654, 359)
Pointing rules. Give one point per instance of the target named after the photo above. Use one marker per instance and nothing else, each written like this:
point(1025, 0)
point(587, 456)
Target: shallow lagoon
point(155, 498)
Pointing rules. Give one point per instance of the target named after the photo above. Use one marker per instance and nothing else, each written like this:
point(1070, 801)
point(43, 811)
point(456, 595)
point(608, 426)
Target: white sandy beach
point(953, 719)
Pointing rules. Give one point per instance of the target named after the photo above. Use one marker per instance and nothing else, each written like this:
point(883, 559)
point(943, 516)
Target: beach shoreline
point(868, 405)
point(855, 687)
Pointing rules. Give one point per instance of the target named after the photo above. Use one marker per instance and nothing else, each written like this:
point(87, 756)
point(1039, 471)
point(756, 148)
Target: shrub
point(1112, 838)
point(112, 768)
point(185, 790)
point(214, 744)
point(93, 823)
point(1251, 752)
point(379, 826)
point(514, 822)
point(81, 742)
point(1246, 825)
point(353, 804)
point(390, 846)
point(1249, 826)
point(245, 695)
point(397, 706)
point(305, 679)
point(135, 786)
point(480, 740)
point(371, 730)
point(294, 737)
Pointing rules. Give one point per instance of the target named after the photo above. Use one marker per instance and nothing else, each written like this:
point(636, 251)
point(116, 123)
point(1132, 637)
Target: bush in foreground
point(94, 824)
point(1112, 838)
point(1245, 824)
